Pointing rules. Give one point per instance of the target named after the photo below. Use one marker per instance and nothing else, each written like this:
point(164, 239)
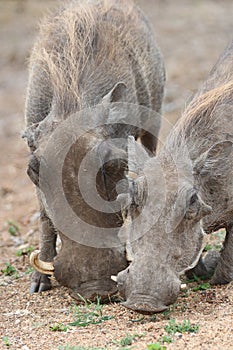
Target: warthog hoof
point(39, 283)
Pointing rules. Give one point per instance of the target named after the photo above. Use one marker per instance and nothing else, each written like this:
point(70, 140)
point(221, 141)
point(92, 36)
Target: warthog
point(181, 194)
point(91, 58)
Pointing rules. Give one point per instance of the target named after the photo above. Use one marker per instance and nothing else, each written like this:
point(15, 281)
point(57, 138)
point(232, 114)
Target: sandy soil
point(191, 35)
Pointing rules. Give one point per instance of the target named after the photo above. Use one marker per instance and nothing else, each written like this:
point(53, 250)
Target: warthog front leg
point(205, 266)
point(224, 270)
point(41, 282)
point(149, 141)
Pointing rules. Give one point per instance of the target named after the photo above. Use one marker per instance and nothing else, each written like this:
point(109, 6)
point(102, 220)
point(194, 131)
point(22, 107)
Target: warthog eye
point(196, 208)
point(193, 199)
point(193, 206)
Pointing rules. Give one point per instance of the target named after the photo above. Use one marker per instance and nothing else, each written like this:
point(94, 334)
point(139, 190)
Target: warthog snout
point(144, 304)
point(148, 293)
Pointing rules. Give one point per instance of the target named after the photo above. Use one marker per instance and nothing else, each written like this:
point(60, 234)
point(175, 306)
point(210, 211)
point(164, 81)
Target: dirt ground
point(191, 34)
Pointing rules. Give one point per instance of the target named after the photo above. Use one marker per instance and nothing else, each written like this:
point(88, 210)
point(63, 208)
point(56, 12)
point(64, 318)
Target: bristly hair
point(200, 118)
point(200, 110)
point(73, 48)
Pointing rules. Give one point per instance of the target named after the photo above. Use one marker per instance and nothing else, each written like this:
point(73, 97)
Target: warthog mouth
point(144, 304)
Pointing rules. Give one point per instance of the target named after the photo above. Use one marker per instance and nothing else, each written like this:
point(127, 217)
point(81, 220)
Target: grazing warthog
point(91, 58)
point(181, 194)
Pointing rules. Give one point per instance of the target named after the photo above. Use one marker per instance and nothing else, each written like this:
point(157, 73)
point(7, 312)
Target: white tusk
point(129, 251)
point(132, 175)
point(183, 286)
point(114, 278)
point(44, 267)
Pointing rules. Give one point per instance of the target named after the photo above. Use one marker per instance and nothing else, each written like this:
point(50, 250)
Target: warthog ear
point(116, 94)
point(29, 135)
point(214, 161)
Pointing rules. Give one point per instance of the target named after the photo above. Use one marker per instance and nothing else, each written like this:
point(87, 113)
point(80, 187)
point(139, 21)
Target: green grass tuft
point(128, 340)
point(59, 327)
point(166, 339)
point(13, 228)
point(202, 286)
point(25, 251)
point(156, 346)
point(10, 271)
point(69, 347)
point(6, 341)
point(185, 327)
point(89, 313)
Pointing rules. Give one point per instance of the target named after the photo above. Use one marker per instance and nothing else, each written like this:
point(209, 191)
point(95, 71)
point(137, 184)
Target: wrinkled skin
point(189, 191)
point(81, 60)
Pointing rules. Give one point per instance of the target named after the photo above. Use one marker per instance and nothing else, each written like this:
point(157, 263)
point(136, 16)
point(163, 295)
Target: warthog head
point(165, 233)
point(75, 132)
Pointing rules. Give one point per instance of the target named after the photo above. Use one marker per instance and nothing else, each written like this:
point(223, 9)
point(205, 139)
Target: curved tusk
point(114, 278)
point(44, 267)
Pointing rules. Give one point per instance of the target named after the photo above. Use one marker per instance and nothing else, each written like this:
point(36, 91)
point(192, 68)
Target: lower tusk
point(183, 286)
point(44, 267)
point(132, 175)
point(114, 278)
